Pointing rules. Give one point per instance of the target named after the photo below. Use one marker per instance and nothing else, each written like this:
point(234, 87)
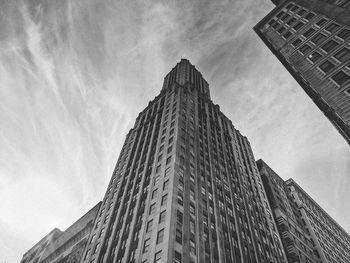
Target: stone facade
point(312, 40)
point(64, 247)
point(186, 187)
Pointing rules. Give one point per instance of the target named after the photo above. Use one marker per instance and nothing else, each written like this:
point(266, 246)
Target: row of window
point(342, 55)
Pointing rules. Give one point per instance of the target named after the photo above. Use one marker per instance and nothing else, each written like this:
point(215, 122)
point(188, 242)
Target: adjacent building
point(331, 241)
point(308, 233)
point(185, 188)
point(296, 239)
point(311, 38)
point(34, 254)
point(66, 246)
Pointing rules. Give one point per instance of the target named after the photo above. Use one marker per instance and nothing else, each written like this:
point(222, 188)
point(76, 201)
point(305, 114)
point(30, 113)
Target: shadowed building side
point(296, 240)
point(311, 38)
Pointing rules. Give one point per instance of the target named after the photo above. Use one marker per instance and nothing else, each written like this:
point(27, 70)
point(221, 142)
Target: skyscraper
point(296, 240)
point(311, 38)
point(308, 233)
point(185, 187)
point(331, 240)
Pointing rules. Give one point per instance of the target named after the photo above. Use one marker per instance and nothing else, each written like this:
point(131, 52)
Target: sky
point(75, 74)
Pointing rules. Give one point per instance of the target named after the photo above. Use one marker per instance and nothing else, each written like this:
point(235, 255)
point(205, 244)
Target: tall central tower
point(185, 188)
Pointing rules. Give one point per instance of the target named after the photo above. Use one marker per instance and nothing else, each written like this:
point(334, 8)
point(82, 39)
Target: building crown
point(186, 73)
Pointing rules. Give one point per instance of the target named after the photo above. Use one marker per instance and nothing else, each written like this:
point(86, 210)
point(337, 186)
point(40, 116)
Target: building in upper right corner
point(311, 38)
point(308, 233)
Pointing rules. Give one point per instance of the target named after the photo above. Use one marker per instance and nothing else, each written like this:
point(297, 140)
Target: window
point(162, 217)
point(160, 236)
point(179, 216)
point(287, 34)
point(158, 168)
point(87, 254)
point(344, 34)
point(271, 22)
point(178, 236)
point(315, 56)
point(276, 25)
point(321, 22)
point(158, 257)
point(165, 185)
point(309, 16)
point(291, 21)
point(296, 42)
point(280, 14)
point(96, 248)
point(151, 208)
point(146, 245)
point(281, 29)
point(329, 46)
point(304, 49)
point(318, 38)
point(332, 27)
point(192, 247)
point(171, 140)
point(178, 257)
point(156, 180)
point(298, 25)
point(340, 78)
point(154, 193)
point(343, 55)
point(285, 17)
point(164, 199)
point(308, 32)
point(167, 171)
point(170, 149)
point(168, 160)
point(326, 66)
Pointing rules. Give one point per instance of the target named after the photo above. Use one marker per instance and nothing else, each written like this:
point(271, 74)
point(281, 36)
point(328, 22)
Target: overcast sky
point(75, 74)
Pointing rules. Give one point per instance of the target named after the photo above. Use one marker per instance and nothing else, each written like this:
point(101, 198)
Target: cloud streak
point(75, 74)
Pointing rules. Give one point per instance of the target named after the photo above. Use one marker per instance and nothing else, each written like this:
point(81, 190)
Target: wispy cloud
point(75, 74)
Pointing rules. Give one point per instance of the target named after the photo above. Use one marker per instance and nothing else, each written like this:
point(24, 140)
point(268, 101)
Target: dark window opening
point(341, 77)
point(304, 49)
point(326, 66)
point(344, 34)
point(309, 32)
point(319, 38)
point(329, 46)
point(343, 55)
point(332, 27)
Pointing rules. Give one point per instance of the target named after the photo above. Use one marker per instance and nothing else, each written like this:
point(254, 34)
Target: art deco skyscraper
point(312, 40)
point(185, 188)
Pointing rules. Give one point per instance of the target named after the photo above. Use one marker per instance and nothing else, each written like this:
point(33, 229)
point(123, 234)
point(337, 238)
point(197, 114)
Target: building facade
point(311, 38)
point(35, 254)
point(308, 233)
point(295, 237)
point(331, 241)
point(66, 246)
point(185, 188)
